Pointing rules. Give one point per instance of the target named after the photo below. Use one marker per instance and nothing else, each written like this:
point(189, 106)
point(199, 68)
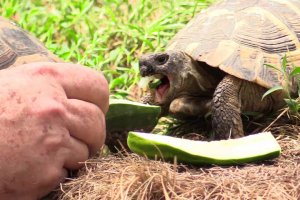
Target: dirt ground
point(125, 175)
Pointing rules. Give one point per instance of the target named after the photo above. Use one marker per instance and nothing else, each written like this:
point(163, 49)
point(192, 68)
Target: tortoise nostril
point(162, 59)
point(143, 70)
point(146, 70)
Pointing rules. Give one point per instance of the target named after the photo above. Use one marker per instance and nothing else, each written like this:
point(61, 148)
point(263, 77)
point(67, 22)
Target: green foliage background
point(108, 35)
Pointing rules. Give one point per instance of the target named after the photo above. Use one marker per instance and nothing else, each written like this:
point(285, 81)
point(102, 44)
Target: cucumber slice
point(153, 84)
point(129, 115)
point(150, 82)
point(251, 148)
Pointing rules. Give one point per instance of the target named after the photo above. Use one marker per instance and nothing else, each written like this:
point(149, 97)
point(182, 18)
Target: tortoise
point(217, 63)
point(18, 47)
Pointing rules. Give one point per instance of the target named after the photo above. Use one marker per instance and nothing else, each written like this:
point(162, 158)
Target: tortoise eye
point(162, 59)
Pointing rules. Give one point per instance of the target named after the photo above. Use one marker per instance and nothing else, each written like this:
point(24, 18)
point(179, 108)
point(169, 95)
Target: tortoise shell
point(18, 47)
point(240, 37)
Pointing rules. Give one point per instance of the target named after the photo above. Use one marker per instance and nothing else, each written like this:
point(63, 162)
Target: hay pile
point(127, 176)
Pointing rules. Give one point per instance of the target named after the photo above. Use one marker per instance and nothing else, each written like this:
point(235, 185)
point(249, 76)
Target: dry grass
point(128, 176)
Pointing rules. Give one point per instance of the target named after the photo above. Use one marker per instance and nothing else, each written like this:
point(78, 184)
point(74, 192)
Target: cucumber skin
point(138, 145)
point(125, 115)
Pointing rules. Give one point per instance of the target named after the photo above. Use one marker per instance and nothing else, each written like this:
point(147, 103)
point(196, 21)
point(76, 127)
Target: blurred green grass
point(108, 35)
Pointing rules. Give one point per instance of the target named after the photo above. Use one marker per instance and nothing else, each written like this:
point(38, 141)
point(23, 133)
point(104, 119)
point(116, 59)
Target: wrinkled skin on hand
point(51, 119)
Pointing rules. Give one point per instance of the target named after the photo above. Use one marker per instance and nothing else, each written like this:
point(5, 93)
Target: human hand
point(51, 118)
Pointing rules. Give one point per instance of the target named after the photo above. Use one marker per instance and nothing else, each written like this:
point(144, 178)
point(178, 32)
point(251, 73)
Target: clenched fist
point(52, 117)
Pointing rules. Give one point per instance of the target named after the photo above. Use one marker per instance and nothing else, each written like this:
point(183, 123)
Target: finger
point(78, 82)
point(49, 181)
point(86, 122)
point(77, 153)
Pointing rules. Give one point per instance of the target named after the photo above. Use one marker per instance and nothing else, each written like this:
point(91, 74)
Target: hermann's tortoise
point(18, 47)
point(217, 62)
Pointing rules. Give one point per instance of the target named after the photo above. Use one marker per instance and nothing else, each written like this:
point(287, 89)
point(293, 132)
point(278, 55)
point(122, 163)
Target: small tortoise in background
point(217, 62)
point(18, 47)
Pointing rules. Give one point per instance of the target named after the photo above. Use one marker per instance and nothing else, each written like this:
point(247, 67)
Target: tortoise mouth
point(160, 86)
point(162, 89)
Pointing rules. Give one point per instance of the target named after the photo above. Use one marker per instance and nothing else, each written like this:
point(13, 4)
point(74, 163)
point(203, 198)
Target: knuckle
point(45, 69)
point(54, 143)
point(51, 109)
point(56, 110)
point(56, 140)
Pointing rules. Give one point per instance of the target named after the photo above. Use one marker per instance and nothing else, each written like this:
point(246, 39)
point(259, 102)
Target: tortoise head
point(180, 75)
point(166, 66)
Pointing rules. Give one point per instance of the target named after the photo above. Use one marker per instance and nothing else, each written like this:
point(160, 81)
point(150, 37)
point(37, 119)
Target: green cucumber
point(154, 84)
point(125, 115)
point(251, 148)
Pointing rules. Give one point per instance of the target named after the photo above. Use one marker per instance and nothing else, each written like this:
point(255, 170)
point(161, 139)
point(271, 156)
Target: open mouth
point(159, 83)
point(162, 89)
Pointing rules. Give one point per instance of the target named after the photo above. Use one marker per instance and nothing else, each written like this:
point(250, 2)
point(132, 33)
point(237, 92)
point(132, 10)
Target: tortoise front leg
point(226, 109)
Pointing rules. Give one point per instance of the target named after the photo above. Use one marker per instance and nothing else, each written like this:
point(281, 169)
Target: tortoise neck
point(207, 77)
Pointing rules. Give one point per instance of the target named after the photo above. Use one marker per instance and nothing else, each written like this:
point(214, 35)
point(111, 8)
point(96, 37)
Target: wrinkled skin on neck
point(184, 83)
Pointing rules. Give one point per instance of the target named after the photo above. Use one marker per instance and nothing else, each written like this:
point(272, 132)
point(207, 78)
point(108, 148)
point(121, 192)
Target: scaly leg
point(233, 96)
point(226, 109)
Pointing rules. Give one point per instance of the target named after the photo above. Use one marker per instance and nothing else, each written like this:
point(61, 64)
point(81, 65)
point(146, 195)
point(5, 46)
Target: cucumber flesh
point(125, 115)
point(251, 148)
point(154, 84)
